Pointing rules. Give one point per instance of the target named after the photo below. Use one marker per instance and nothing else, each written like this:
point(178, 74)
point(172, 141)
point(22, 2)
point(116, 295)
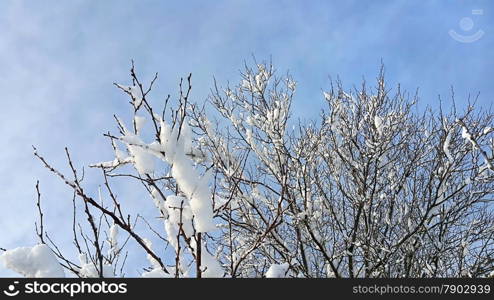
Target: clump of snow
point(179, 211)
point(197, 190)
point(246, 84)
point(378, 122)
point(172, 233)
point(167, 140)
point(446, 147)
point(467, 136)
point(139, 123)
point(89, 270)
point(33, 262)
point(113, 239)
point(210, 266)
point(144, 161)
point(186, 137)
point(261, 77)
point(159, 202)
point(156, 273)
point(194, 186)
point(329, 271)
point(277, 270)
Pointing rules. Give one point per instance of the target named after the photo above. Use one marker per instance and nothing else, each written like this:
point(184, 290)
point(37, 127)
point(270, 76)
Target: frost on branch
point(374, 187)
point(33, 262)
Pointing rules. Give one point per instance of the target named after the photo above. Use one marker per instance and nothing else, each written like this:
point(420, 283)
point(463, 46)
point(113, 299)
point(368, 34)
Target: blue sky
point(58, 60)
